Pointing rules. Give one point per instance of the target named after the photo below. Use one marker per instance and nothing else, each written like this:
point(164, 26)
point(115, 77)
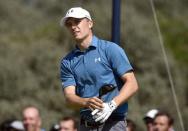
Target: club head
point(105, 89)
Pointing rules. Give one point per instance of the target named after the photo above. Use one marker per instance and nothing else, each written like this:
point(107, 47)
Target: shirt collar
point(94, 41)
point(93, 44)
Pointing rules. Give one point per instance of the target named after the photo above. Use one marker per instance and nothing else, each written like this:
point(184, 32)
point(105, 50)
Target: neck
point(85, 42)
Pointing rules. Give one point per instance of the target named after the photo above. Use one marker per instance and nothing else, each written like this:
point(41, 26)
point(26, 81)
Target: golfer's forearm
point(128, 90)
point(75, 101)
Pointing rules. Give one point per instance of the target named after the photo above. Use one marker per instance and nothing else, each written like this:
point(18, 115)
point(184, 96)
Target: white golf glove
point(103, 115)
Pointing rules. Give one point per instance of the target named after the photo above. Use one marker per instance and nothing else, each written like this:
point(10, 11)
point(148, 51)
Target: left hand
point(107, 110)
point(94, 103)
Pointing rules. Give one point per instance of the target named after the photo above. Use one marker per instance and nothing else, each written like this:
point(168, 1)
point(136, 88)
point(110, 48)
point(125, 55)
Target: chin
point(78, 38)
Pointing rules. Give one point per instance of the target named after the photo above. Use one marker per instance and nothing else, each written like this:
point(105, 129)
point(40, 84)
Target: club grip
point(106, 89)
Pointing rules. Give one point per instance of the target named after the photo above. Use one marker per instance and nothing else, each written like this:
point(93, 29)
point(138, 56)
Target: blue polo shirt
point(102, 63)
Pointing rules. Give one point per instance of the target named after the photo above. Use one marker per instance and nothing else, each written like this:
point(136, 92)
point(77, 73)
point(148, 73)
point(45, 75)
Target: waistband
point(94, 124)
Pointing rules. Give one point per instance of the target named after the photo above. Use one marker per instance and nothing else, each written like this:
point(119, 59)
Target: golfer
point(95, 63)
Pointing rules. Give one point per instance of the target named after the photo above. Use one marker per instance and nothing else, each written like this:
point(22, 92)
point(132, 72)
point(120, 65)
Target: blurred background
point(32, 44)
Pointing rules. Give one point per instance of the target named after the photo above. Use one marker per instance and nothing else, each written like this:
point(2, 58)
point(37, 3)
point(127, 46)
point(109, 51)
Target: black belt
point(98, 124)
point(90, 124)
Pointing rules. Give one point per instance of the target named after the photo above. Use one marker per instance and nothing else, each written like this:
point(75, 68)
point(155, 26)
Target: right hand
point(94, 103)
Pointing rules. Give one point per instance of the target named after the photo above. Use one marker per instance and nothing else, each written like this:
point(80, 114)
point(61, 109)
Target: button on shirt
point(102, 63)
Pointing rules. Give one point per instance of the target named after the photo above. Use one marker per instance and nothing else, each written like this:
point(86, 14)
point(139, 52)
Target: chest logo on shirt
point(97, 59)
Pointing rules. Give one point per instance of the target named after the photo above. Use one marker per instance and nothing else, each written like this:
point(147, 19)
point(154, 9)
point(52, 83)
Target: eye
point(68, 24)
point(77, 21)
point(71, 22)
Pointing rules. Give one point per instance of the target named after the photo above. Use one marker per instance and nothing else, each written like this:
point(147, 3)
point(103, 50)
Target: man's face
point(67, 126)
point(31, 120)
point(128, 128)
point(79, 28)
point(161, 123)
point(149, 123)
point(149, 126)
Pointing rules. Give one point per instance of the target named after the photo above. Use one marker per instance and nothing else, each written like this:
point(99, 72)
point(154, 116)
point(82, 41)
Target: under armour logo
point(97, 59)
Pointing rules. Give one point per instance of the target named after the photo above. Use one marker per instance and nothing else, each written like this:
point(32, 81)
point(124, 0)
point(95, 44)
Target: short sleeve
point(67, 77)
point(118, 59)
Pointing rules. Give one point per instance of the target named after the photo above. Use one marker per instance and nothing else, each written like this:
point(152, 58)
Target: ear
point(90, 24)
point(39, 122)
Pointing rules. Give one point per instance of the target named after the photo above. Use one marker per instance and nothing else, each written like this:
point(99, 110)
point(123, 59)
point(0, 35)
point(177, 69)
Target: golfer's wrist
point(115, 100)
point(85, 102)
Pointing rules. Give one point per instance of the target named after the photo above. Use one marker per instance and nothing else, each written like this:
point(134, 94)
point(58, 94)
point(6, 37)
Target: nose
point(26, 121)
point(73, 27)
point(156, 128)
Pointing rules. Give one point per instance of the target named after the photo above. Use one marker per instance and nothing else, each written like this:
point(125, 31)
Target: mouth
point(75, 33)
